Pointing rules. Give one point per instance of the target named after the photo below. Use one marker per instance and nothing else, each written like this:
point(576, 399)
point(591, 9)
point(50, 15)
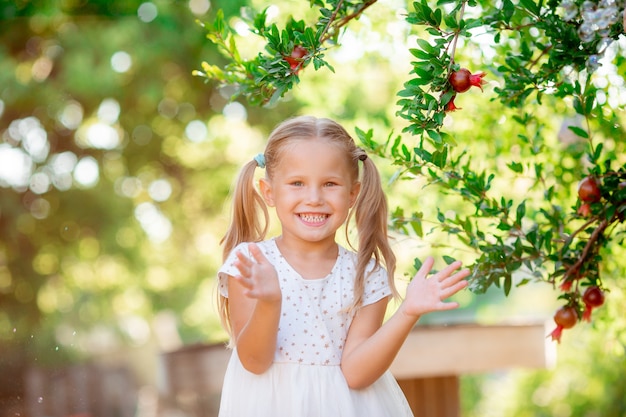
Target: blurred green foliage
point(115, 165)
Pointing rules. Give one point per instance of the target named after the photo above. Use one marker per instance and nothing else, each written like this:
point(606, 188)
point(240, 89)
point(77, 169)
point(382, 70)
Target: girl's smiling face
point(312, 189)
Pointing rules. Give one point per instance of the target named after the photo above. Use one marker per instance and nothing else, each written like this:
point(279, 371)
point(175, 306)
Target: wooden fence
point(428, 369)
point(80, 391)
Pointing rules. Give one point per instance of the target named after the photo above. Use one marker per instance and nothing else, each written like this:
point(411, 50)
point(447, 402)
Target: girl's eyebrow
point(330, 178)
point(322, 175)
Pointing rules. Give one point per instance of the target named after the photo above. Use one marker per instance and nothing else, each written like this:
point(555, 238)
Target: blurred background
point(115, 168)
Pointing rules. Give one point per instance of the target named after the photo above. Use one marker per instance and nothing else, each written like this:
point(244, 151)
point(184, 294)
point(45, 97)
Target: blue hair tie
point(260, 160)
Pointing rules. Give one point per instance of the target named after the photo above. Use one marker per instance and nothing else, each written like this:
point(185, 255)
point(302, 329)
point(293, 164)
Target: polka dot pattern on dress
point(314, 321)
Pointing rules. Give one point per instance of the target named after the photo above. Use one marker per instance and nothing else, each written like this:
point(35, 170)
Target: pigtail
point(245, 224)
point(370, 213)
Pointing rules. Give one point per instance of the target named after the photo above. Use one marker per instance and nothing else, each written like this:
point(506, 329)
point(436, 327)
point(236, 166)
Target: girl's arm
point(371, 347)
point(255, 305)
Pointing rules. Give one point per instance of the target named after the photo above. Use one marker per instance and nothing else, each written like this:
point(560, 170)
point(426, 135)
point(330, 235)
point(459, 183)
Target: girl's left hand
point(427, 294)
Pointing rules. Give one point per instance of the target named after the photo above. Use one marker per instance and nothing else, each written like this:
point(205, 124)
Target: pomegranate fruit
point(566, 285)
point(588, 190)
point(593, 297)
point(565, 318)
point(463, 79)
point(295, 59)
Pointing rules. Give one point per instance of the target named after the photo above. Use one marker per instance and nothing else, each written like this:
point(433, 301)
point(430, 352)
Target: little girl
point(305, 314)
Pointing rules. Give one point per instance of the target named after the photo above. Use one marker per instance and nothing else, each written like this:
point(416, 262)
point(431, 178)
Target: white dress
point(305, 379)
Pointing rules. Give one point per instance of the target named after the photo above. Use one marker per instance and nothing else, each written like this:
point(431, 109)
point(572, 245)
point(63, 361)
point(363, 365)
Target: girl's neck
point(324, 249)
point(309, 259)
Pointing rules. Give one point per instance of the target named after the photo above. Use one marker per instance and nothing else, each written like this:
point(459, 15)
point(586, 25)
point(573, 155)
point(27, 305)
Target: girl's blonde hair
point(369, 211)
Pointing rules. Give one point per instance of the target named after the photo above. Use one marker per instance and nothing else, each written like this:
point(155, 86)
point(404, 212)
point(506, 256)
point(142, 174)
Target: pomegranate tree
point(561, 246)
point(601, 203)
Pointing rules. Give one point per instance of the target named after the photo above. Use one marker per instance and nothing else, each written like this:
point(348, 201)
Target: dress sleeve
point(228, 268)
point(376, 284)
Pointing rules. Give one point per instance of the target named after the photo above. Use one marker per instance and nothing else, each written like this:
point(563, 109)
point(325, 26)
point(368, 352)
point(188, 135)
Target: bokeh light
point(199, 7)
point(147, 12)
point(87, 172)
point(121, 61)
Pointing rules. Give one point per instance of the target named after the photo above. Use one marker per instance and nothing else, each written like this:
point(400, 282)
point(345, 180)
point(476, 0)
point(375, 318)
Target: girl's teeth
point(313, 219)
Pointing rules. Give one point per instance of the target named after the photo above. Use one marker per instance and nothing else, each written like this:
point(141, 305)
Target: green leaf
point(598, 151)
point(516, 167)
point(578, 106)
point(508, 283)
point(419, 81)
point(310, 37)
point(423, 154)
point(366, 137)
point(417, 264)
point(450, 21)
point(438, 15)
point(440, 157)
point(448, 139)
point(448, 259)
point(418, 53)
point(578, 131)
point(416, 225)
point(435, 136)
point(427, 47)
point(218, 24)
point(424, 71)
point(589, 102)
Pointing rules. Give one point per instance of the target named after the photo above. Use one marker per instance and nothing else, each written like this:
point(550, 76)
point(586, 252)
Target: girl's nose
point(315, 195)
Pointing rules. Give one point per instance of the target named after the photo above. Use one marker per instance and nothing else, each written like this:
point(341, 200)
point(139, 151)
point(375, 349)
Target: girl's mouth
point(313, 218)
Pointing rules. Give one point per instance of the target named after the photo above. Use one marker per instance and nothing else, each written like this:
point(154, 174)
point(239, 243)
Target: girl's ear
point(354, 193)
point(266, 191)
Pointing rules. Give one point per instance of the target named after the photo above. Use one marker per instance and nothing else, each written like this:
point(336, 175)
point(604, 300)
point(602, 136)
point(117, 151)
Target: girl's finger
point(451, 290)
point(256, 253)
point(455, 278)
point(243, 259)
point(448, 270)
point(426, 267)
point(449, 306)
point(243, 269)
point(244, 282)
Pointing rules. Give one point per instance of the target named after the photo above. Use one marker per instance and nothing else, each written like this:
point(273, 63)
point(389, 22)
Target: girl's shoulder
point(352, 257)
point(266, 246)
point(376, 281)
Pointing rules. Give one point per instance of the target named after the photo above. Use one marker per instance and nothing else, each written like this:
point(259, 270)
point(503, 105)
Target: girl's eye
point(331, 184)
point(297, 183)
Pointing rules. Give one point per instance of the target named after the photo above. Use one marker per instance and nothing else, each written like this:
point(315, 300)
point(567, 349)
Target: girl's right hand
point(257, 275)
